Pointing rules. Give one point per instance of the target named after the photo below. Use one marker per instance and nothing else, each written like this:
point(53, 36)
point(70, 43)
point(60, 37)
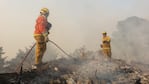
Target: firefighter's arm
point(107, 40)
point(46, 33)
point(49, 25)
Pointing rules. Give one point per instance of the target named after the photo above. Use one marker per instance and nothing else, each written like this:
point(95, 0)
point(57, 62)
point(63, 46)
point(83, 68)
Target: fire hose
point(60, 48)
point(19, 66)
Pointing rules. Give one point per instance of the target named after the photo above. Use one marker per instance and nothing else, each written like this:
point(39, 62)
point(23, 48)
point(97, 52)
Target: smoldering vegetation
point(87, 67)
point(83, 67)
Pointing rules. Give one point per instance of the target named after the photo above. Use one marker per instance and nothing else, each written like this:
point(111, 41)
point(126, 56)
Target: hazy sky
point(75, 22)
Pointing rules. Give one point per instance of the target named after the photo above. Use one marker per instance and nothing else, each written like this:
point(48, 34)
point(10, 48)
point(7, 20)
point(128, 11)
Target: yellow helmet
point(44, 11)
point(104, 32)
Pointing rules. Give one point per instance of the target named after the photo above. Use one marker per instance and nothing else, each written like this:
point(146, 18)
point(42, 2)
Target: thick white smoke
point(131, 40)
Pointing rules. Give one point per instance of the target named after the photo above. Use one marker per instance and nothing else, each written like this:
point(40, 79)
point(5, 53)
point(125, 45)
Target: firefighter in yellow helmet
point(106, 47)
point(41, 32)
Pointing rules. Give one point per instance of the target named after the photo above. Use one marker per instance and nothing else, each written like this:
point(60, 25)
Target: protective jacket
point(106, 42)
point(42, 26)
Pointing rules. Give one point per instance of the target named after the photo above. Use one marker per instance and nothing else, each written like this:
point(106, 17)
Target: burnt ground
point(78, 71)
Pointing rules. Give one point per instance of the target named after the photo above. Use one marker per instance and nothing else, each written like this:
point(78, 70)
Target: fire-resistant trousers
point(107, 53)
point(40, 48)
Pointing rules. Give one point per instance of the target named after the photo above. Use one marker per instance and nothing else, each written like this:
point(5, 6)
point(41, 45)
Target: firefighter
point(41, 32)
point(106, 47)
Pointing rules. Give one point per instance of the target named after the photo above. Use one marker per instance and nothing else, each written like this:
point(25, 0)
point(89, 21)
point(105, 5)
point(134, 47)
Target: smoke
point(131, 40)
point(51, 53)
point(85, 65)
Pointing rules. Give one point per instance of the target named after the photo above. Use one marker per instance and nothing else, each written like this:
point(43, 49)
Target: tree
point(2, 60)
point(15, 62)
point(50, 54)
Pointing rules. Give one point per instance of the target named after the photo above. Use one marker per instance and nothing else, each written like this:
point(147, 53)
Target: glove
point(105, 42)
point(48, 32)
point(101, 46)
point(46, 39)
